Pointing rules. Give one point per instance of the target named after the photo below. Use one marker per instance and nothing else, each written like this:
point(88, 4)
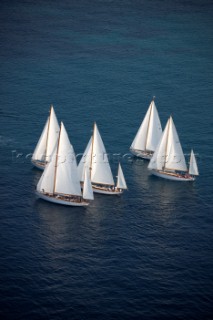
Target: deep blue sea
point(148, 253)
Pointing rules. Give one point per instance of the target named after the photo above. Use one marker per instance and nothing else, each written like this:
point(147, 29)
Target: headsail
point(85, 161)
point(121, 183)
point(46, 182)
point(87, 190)
point(193, 169)
point(40, 149)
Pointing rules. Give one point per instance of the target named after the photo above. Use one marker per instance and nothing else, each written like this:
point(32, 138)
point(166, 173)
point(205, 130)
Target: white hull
point(61, 201)
point(141, 154)
point(108, 191)
point(39, 164)
point(172, 176)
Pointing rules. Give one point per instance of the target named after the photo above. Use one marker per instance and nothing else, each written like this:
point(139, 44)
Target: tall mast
point(149, 120)
point(48, 131)
point(167, 143)
point(90, 168)
point(56, 163)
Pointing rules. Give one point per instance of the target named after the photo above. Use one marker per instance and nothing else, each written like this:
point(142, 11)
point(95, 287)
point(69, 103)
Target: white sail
point(158, 159)
point(48, 138)
point(139, 143)
point(193, 169)
point(52, 136)
point(168, 154)
point(46, 182)
point(175, 159)
point(101, 171)
point(85, 161)
point(60, 174)
point(149, 132)
point(121, 183)
point(87, 190)
point(40, 149)
point(154, 129)
point(66, 174)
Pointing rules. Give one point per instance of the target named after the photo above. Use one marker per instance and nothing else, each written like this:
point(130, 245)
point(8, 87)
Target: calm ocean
point(148, 253)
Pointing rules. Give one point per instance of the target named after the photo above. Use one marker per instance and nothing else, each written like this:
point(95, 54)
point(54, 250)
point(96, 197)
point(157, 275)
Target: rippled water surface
point(148, 253)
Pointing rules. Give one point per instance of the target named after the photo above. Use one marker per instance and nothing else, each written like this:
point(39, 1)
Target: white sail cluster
point(163, 149)
point(168, 160)
point(62, 180)
point(65, 182)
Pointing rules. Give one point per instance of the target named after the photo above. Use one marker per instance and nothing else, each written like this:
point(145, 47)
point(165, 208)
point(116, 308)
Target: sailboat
point(95, 160)
point(168, 160)
point(59, 182)
point(148, 135)
point(46, 144)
